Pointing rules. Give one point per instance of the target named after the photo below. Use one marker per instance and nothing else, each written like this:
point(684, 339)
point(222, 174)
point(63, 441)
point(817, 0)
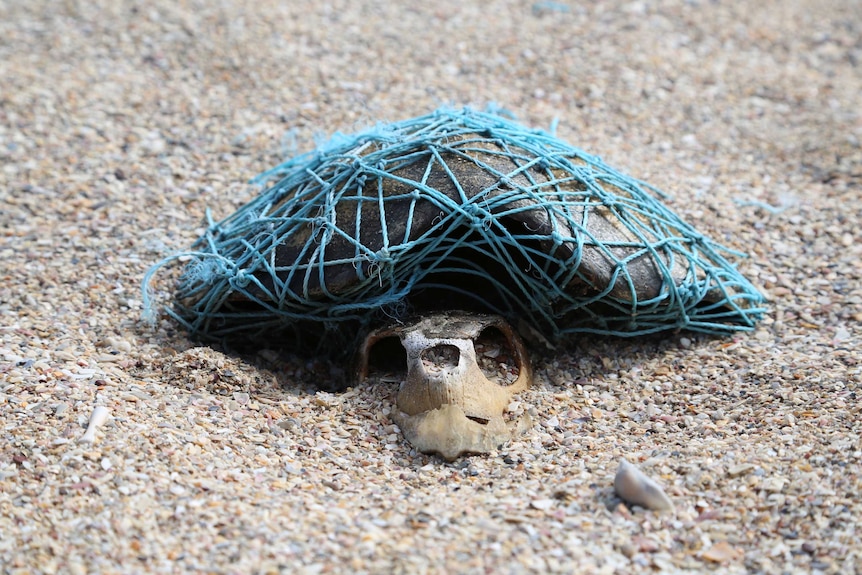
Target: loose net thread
point(333, 211)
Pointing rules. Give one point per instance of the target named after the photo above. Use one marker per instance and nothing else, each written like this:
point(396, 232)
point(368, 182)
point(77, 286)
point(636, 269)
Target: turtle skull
point(446, 403)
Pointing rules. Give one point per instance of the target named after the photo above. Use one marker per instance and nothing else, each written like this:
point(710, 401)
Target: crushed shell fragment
point(633, 487)
point(97, 418)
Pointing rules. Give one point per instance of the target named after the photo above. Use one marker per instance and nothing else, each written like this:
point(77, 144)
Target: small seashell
point(98, 417)
point(741, 469)
point(632, 486)
point(721, 552)
point(542, 504)
point(773, 484)
point(491, 352)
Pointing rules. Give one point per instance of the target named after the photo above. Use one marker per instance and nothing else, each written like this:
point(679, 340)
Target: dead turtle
point(455, 211)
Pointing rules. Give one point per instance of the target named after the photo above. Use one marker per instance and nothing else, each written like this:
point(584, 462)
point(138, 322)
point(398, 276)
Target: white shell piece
point(97, 418)
point(632, 486)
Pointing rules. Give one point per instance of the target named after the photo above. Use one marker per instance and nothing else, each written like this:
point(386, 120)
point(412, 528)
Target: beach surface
point(123, 123)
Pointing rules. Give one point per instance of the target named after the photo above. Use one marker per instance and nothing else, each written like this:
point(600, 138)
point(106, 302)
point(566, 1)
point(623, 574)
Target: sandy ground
point(122, 122)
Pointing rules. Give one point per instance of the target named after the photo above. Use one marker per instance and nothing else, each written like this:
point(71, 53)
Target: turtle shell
point(456, 210)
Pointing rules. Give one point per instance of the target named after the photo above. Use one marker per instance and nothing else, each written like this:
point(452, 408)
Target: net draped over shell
point(458, 209)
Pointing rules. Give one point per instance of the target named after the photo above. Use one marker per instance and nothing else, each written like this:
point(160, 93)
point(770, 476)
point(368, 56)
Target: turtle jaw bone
point(450, 433)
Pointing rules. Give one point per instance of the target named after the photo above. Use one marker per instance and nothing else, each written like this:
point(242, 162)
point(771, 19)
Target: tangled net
point(455, 209)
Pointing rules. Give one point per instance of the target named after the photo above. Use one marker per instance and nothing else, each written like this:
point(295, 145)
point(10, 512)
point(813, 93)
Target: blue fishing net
point(458, 209)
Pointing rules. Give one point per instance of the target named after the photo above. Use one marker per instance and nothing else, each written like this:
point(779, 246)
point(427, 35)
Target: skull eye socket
point(439, 357)
point(496, 356)
point(387, 357)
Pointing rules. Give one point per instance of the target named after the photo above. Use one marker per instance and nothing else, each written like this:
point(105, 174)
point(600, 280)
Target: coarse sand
point(122, 123)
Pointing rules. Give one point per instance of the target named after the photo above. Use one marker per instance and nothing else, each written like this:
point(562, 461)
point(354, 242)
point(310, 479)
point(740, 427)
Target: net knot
point(241, 279)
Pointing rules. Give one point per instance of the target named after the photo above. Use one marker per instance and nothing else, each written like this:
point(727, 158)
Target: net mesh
point(455, 209)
